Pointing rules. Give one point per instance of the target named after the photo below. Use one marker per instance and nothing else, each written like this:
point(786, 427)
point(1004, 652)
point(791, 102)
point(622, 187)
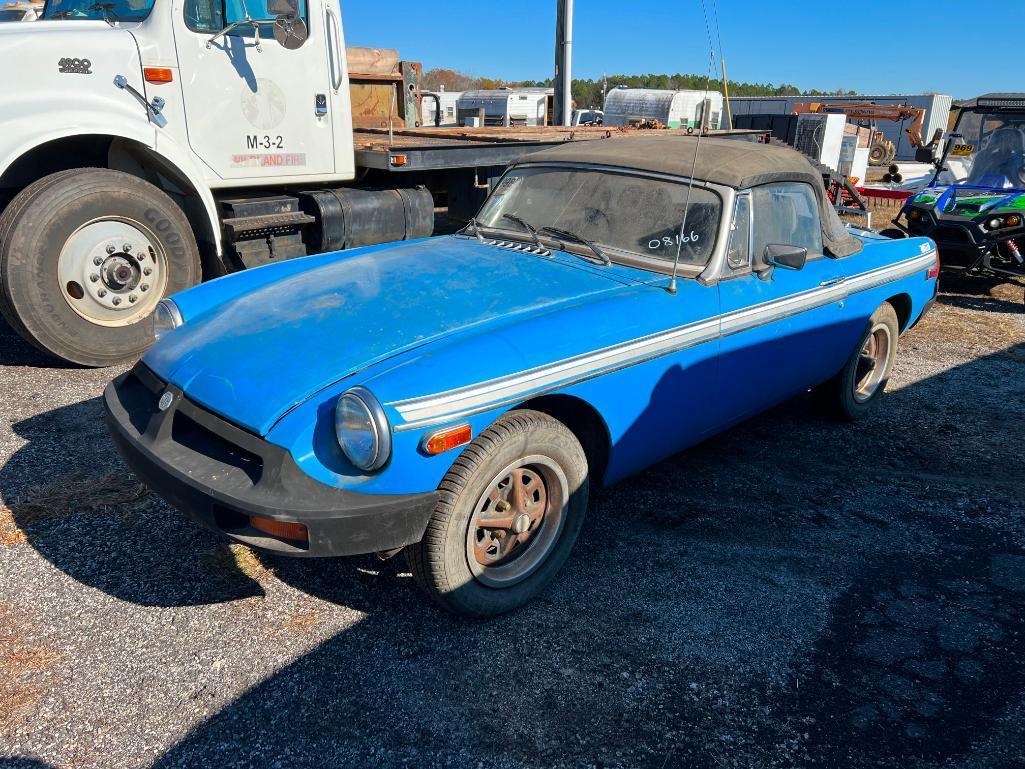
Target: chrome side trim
point(425, 411)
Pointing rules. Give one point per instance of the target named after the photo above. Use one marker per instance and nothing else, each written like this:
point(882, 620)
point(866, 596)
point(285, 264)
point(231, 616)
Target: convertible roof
point(732, 162)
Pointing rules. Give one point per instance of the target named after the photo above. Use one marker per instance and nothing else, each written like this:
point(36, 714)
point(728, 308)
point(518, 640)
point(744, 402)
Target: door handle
point(832, 282)
point(332, 50)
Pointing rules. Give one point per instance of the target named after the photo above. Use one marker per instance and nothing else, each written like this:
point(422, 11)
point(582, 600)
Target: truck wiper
point(476, 229)
point(525, 225)
point(567, 235)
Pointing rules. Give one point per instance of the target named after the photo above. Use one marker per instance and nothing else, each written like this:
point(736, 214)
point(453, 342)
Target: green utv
point(974, 206)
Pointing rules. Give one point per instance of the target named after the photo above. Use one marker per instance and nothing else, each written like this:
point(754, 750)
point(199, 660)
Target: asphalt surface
point(794, 593)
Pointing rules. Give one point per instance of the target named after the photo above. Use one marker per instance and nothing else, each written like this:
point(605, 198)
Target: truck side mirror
point(925, 155)
point(290, 31)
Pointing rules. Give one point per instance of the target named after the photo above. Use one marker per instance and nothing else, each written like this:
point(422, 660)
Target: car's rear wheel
point(511, 508)
point(85, 256)
point(851, 394)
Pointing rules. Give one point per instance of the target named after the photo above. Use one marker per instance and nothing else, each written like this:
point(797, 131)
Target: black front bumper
point(220, 475)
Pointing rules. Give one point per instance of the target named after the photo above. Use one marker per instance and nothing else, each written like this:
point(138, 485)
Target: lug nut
point(144, 287)
point(147, 271)
point(131, 298)
point(97, 260)
point(116, 300)
point(94, 277)
point(102, 292)
point(126, 247)
point(111, 249)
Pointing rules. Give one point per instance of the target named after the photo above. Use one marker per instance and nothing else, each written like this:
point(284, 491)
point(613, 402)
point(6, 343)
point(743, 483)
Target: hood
point(258, 355)
point(962, 201)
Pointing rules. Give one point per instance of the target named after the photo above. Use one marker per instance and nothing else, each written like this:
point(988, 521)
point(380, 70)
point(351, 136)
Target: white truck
point(148, 144)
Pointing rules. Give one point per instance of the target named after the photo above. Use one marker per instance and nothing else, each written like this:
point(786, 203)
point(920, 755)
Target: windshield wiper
point(103, 8)
point(527, 226)
point(567, 235)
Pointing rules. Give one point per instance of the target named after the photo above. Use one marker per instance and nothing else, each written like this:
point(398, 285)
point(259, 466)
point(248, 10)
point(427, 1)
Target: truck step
point(239, 224)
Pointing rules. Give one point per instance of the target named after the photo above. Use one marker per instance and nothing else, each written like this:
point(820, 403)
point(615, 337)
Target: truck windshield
point(634, 215)
point(988, 150)
point(98, 10)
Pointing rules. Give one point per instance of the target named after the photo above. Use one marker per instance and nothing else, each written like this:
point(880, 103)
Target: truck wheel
point(851, 393)
point(510, 511)
point(85, 255)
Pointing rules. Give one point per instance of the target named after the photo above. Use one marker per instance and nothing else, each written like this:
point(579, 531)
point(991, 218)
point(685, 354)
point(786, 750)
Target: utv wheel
point(511, 508)
point(851, 393)
point(85, 256)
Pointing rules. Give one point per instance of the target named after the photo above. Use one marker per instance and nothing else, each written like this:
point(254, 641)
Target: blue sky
point(763, 42)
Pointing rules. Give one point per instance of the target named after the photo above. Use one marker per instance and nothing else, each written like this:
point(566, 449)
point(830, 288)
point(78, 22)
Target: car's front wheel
point(851, 393)
point(511, 508)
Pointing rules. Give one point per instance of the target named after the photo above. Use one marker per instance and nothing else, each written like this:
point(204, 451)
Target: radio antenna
point(671, 288)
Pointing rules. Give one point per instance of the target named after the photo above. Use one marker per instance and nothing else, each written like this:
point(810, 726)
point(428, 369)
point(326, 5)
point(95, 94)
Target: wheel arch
point(584, 421)
point(130, 154)
point(902, 305)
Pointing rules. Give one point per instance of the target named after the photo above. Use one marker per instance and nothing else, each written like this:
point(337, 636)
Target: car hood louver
point(256, 356)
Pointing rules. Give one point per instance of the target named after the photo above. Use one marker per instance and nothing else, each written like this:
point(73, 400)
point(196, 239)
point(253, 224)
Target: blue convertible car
point(457, 397)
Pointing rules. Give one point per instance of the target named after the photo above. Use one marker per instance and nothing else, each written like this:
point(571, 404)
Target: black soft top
point(730, 162)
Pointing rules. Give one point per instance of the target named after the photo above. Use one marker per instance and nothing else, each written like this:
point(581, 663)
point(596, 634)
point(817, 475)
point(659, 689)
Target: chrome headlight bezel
point(166, 317)
point(358, 414)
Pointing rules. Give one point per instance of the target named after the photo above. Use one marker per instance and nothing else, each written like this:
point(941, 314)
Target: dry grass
point(115, 493)
point(23, 665)
point(236, 558)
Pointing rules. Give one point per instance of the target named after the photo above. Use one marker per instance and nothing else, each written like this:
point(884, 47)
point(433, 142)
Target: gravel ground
point(793, 593)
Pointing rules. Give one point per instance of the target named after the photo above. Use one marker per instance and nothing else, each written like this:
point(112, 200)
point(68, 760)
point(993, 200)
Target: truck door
point(255, 110)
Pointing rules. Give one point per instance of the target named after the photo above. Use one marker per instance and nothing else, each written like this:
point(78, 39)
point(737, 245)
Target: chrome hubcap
point(112, 272)
point(517, 521)
point(873, 363)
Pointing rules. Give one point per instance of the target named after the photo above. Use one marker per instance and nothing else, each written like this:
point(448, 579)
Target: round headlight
point(166, 317)
point(362, 429)
point(995, 224)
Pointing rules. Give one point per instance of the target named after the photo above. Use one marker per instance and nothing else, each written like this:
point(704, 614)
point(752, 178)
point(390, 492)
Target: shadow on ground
point(791, 593)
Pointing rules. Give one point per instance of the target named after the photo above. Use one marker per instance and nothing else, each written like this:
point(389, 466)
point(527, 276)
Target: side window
point(739, 250)
point(211, 16)
point(785, 214)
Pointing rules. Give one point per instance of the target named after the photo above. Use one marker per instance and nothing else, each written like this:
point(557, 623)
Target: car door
point(254, 112)
point(780, 326)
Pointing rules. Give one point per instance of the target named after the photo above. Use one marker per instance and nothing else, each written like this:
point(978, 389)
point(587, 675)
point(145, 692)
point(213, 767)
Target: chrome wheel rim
point(112, 272)
point(873, 363)
point(517, 521)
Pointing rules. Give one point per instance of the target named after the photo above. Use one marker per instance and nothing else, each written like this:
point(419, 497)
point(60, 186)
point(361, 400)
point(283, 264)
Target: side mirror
point(790, 257)
point(289, 29)
point(925, 155)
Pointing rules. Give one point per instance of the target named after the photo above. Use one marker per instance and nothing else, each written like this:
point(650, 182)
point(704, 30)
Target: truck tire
point(528, 473)
point(85, 255)
point(851, 394)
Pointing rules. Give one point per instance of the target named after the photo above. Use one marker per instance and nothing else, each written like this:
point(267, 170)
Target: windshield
point(98, 10)
point(987, 149)
point(622, 213)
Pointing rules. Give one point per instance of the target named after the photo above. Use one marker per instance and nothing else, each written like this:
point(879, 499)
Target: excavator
point(881, 150)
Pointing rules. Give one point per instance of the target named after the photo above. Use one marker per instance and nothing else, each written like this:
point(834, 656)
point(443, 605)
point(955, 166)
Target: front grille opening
point(138, 401)
point(189, 433)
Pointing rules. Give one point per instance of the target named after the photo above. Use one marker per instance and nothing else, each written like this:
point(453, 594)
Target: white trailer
point(505, 106)
point(675, 109)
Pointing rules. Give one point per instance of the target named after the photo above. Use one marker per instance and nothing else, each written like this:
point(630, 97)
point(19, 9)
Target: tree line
point(589, 93)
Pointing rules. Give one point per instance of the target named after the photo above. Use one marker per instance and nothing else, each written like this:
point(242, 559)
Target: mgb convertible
point(615, 301)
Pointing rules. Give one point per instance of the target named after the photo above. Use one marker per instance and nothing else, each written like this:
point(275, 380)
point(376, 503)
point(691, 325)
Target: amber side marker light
point(399, 160)
point(449, 438)
point(295, 532)
point(158, 74)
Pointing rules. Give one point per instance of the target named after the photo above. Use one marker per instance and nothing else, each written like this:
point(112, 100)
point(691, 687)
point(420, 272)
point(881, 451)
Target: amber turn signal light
point(449, 438)
point(158, 74)
point(281, 529)
point(1013, 220)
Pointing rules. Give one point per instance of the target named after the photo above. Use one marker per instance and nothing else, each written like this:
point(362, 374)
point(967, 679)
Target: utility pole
point(564, 63)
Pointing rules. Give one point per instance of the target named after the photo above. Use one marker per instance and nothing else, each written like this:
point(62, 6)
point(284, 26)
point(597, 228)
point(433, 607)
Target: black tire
point(36, 226)
point(840, 395)
point(893, 233)
point(441, 563)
